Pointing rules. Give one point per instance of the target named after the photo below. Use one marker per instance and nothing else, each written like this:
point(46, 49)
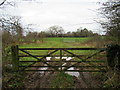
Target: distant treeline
point(14, 33)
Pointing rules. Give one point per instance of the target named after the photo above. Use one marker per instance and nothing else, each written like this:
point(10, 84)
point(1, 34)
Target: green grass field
point(57, 43)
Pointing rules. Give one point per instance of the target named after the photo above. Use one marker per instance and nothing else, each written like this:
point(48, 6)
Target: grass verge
point(62, 80)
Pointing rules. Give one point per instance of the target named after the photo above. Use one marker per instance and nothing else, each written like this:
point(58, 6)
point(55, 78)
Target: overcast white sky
point(70, 14)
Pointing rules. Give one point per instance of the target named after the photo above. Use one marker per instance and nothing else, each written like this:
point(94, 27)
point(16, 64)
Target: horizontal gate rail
point(71, 70)
point(62, 48)
point(63, 61)
point(66, 66)
point(50, 56)
point(54, 55)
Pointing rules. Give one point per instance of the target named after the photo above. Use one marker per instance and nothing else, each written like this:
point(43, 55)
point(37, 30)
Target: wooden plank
point(57, 55)
point(51, 55)
point(62, 48)
point(66, 66)
point(61, 59)
point(69, 70)
point(64, 61)
point(94, 54)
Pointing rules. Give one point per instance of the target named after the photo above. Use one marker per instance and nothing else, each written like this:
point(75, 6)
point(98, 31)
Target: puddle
point(43, 68)
point(67, 58)
point(73, 73)
point(48, 58)
point(76, 74)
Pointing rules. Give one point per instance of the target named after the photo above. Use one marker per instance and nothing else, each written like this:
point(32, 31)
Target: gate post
point(15, 58)
point(112, 51)
point(61, 59)
point(118, 58)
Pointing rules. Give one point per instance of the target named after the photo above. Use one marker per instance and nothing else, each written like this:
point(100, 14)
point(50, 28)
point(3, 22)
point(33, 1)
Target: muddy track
point(42, 80)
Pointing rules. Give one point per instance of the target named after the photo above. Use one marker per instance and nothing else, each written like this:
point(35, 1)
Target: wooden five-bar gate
point(28, 60)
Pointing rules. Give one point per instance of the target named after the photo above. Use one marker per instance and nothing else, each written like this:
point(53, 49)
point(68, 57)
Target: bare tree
point(11, 29)
point(56, 30)
point(111, 12)
point(41, 36)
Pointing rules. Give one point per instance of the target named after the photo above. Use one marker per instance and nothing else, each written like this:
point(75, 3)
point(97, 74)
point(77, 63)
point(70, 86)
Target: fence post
point(15, 58)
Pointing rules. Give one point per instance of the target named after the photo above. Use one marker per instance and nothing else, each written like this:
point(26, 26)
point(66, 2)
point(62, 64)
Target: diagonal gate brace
point(40, 59)
point(79, 58)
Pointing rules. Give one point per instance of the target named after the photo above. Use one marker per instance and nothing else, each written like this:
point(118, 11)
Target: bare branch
point(2, 2)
